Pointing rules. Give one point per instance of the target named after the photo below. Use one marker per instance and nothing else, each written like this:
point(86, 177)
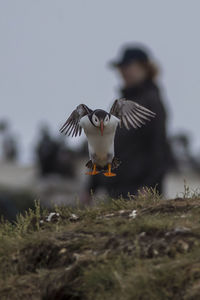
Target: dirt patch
point(65, 284)
point(45, 254)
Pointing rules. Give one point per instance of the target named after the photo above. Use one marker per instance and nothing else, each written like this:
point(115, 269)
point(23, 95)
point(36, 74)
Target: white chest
point(100, 146)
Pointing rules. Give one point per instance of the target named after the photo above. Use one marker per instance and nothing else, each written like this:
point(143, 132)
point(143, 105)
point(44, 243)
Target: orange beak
point(102, 127)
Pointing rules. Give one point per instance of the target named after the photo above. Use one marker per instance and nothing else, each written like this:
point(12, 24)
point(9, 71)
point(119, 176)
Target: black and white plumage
point(100, 127)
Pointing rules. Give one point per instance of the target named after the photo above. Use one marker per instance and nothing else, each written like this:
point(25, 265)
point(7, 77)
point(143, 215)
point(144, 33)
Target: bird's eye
point(106, 119)
point(95, 120)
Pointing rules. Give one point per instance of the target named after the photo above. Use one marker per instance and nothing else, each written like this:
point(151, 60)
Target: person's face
point(133, 73)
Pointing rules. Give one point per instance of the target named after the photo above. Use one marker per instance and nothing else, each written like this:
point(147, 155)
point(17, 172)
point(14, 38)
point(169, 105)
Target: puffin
point(100, 127)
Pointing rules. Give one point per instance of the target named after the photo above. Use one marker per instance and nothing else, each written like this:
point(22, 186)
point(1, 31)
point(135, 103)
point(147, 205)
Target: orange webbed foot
point(93, 172)
point(109, 173)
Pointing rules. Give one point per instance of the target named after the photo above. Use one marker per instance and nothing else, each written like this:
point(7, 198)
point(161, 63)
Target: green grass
point(105, 254)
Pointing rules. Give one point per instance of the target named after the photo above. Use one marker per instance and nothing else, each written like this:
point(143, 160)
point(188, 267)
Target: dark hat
point(130, 55)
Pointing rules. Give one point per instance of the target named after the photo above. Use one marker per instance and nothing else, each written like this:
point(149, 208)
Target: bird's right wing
point(71, 126)
point(130, 113)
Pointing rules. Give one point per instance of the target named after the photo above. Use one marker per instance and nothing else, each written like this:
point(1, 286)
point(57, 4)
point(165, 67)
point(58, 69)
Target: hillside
point(144, 248)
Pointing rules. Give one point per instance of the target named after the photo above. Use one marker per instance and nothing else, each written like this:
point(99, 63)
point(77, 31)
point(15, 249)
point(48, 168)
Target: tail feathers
point(115, 163)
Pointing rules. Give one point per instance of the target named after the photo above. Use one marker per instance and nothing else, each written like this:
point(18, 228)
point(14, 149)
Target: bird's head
point(100, 118)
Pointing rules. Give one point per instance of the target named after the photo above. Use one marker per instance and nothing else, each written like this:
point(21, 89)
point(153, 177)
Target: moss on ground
point(142, 248)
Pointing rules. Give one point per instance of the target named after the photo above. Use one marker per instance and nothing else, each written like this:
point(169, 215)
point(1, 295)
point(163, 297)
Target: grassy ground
point(105, 252)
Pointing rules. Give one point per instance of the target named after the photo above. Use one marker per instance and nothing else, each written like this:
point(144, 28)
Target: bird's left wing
point(130, 113)
point(71, 126)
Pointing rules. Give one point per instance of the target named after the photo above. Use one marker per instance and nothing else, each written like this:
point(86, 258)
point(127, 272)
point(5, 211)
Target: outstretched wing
point(130, 113)
point(71, 126)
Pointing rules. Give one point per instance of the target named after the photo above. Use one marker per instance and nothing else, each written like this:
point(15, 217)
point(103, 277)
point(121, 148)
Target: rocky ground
point(143, 248)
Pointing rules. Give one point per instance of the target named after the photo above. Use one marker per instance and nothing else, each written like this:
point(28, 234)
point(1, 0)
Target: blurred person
point(145, 152)
point(66, 160)
point(53, 155)
point(46, 152)
point(9, 149)
point(182, 151)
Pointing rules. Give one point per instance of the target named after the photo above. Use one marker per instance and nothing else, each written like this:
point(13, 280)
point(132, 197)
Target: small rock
point(62, 251)
point(74, 218)
point(109, 215)
point(181, 230)
point(183, 216)
point(183, 245)
point(133, 214)
point(53, 216)
point(142, 234)
point(178, 230)
point(68, 268)
point(155, 252)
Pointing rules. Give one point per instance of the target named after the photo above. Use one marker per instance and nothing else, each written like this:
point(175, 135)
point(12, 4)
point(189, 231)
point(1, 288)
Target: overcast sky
point(54, 55)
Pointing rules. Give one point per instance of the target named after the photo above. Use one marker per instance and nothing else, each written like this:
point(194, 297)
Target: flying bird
point(100, 127)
